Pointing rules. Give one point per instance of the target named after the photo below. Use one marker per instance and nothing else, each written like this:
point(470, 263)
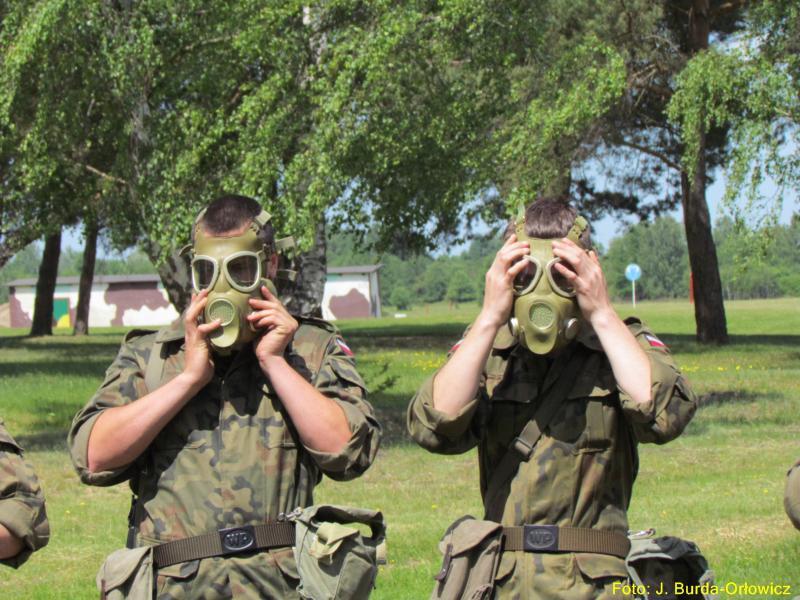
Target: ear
point(272, 266)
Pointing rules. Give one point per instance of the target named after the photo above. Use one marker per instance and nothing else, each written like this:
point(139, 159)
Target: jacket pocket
point(601, 566)
point(176, 577)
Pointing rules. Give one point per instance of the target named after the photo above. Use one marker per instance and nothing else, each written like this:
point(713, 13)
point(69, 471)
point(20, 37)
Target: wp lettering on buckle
point(540, 538)
point(237, 539)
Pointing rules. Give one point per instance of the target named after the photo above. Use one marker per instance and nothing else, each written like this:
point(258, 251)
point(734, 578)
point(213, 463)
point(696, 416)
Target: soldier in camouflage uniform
point(581, 472)
point(23, 519)
point(226, 441)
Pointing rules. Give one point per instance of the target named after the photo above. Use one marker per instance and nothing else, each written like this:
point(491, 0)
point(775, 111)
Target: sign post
point(632, 273)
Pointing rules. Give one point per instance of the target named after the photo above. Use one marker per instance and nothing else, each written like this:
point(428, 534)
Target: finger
point(267, 294)
point(517, 268)
point(507, 256)
point(565, 271)
point(573, 255)
point(196, 307)
point(259, 304)
point(510, 240)
point(269, 322)
point(207, 328)
point(260, 314)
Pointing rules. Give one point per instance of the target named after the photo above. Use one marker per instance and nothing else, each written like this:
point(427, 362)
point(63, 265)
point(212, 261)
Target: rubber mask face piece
point(233, 268)
point(546, 314)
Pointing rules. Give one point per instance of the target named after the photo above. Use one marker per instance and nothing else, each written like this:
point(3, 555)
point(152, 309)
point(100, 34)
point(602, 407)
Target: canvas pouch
point(127, 574)
point(669, 567)
point(471, 551)
point(334, 558)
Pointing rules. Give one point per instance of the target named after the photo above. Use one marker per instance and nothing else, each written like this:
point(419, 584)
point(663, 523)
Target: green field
point(720, 484)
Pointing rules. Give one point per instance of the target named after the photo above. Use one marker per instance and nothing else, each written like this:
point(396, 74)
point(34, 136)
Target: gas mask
point(233, 269)
point(546, 315)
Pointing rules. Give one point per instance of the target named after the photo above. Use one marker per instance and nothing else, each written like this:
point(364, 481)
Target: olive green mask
point(233, 269)
point(546, 315)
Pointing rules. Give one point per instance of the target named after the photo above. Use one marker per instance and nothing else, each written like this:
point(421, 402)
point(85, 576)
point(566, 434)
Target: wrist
point(193, 382)
point(486, 321)
point(603, 317)
point(270, 362)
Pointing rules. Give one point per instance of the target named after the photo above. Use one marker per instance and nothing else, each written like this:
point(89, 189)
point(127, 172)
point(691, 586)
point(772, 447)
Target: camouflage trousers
point(271, 574)
point(524, 575)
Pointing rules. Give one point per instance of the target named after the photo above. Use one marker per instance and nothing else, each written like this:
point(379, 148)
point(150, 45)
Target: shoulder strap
point(522, 446)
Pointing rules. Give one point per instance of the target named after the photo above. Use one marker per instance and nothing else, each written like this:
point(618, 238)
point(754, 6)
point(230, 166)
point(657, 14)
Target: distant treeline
point(763, 270)
point(767, 269)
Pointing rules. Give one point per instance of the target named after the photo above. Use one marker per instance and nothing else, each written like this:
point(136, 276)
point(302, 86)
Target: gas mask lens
point(526, 279)
point(204, 273)
point(243, 271)
point(561, 285)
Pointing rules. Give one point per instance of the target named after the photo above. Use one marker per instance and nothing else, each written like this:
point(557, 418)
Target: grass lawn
point(720, 484)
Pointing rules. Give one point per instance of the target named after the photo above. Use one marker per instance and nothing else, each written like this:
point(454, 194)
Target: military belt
point(550, 538)
point(224, 542)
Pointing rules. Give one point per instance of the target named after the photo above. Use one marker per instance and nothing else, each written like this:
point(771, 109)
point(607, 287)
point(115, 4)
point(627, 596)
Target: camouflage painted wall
point(114, 302)
point(351, 295)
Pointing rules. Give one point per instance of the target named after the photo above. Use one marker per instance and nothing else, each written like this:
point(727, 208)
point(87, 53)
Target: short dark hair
point(550, 217)
point(231, 212)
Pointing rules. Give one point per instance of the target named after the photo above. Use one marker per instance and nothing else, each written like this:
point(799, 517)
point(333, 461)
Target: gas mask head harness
point(546, 316)
point(233, 268)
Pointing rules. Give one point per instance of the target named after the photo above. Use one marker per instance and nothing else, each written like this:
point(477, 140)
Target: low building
point(351, 292)
point(142, 301)
point(116, 300)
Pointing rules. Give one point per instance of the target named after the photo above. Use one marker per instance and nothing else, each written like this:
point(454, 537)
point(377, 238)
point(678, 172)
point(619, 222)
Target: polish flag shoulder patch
point(654, 341)
point(455, 346)
point(345, 348)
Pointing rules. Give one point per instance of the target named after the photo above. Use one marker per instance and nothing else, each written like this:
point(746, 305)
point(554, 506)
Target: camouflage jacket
point(231, 456)
point(22, 509)
point(582, 470)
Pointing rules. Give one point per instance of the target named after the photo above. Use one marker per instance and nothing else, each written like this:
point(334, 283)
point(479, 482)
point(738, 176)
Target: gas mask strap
point(578, 227)
point(260, 220)
point(519, 221)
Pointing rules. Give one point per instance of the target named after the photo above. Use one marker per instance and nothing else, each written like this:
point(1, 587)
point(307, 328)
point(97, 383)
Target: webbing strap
point(225, 542)
point(548, 538)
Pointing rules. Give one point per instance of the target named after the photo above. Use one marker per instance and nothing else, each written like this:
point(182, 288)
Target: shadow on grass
point(681, 343)
point(92, 369)
point(719, 397)
point(49, 439)
point(403, 330)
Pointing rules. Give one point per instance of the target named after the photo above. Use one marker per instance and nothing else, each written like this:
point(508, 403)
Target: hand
point(199, 366)
point(499, 296)
point(269, 314)
point(587, 277)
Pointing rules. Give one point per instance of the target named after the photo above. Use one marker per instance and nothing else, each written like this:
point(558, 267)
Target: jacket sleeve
point(339, 380)
point(22, 509)
point(672, 401)
point(123, 383)
point(436, 431)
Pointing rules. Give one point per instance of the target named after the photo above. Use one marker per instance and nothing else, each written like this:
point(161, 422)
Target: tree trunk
point(176, 277)
point(709, 309)
point(81, 326)
point(46, 286)
point(311, 267)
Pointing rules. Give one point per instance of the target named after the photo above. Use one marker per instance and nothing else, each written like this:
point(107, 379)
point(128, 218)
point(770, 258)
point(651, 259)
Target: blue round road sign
point(632, 272)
